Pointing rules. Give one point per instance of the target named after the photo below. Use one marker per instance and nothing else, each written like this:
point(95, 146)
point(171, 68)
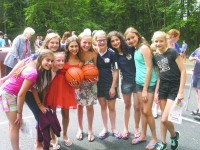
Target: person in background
point(64, 38)
point(195, 56)
point(173, 37)
point(50, 31)
point(184, 49)
point(41, 40)
point(74, 33)
point(7, 41)
point(2, 41)
point(36, 43)
point(20, 49)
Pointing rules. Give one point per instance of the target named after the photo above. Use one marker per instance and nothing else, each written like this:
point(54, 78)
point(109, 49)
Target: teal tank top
point(141, 69)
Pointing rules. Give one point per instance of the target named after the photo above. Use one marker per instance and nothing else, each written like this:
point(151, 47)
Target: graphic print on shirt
point(163, 64)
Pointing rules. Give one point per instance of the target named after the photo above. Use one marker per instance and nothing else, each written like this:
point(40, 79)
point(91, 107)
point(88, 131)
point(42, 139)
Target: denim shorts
point(103, 91)
point(151, 89)
point(168, 90)
point(196, 82)
point(128, 87)
point(8, 101)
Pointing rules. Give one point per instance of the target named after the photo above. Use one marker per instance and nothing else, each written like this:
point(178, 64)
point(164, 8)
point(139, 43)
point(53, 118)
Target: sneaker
point(195, 112)
point(161, 146)
point(197, 118)
point(174, 141)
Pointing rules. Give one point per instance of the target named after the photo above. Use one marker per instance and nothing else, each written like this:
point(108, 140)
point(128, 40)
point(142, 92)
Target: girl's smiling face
point(115, 42)
point(160, 42)
point(54, 44)
point(101, 41)
point(132, 39)
point(73, 48)
point(47, 62)
point(59, 60)
point(86, 43)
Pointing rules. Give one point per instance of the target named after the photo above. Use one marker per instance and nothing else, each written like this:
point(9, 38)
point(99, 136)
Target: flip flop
point(55, 146)
point(91, 137)
point(125, 135)
point(137, 141)
point(67, 142)
point(103, 135)
point(137, 134)
point(151, 146)
point(79, 136)
point(117, 135)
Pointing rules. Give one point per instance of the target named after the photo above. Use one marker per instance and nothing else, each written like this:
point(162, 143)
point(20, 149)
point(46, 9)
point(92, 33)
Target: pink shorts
point(8, 101)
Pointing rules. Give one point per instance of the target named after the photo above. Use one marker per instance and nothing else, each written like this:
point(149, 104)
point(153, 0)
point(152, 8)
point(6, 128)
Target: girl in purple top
point(14, 90)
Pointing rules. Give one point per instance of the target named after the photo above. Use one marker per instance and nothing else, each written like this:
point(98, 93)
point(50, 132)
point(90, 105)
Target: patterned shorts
point(8, 101)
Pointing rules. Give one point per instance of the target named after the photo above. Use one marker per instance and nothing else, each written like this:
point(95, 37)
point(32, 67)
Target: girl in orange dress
point(61, 93)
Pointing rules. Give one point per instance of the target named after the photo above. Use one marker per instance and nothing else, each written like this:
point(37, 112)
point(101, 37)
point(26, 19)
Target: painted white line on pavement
point(184, 118)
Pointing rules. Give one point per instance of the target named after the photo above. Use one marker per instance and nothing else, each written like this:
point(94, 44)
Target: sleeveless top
point(141, 69)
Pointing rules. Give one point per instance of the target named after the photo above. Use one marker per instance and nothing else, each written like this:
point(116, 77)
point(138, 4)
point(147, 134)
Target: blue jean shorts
point(196, 82)
point(8, 101)
point(128, 87)
point(151, 89)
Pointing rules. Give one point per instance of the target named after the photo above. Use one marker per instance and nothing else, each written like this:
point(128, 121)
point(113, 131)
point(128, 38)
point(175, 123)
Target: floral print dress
point(86, 95)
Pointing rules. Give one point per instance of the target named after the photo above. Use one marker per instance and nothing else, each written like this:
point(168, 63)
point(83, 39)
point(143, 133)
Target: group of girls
point(130, 54)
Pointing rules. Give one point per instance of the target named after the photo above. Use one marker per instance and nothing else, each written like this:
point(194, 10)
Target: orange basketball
point(90, 72)
point(74, 74)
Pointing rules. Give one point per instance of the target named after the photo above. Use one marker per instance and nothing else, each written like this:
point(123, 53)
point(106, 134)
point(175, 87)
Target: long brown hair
point(42, 73)
point(141, 40)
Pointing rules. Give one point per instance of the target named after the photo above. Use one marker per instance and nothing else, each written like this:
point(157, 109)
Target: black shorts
point(168, 90)
point(103, 91)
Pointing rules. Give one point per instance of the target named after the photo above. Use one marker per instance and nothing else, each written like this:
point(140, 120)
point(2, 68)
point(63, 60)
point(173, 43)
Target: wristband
point(19, 113)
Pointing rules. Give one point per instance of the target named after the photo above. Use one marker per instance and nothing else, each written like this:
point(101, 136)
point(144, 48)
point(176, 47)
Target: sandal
point(67, 142)
point(79, 135)
point(137, 134)
point(117, 135)
point(91, 137)
point(125, 135)
point(151, 146)
point(55, 146)
point(104, 135)
point(137, 141)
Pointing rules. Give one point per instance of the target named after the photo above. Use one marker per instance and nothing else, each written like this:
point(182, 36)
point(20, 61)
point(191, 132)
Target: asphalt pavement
point(189, 129)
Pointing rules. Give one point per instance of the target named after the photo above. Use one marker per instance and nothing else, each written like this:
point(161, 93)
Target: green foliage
point(146, 16)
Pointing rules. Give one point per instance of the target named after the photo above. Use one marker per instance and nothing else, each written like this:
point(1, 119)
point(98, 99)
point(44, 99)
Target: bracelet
point(39, 103)
point(19, 113)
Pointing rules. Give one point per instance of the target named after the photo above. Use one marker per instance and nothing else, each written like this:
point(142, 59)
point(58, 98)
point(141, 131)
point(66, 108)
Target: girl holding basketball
point(87, 93)
point(146, 78)
point(62, 94)
point(107, 84)
point(125, 56)
point(15, 88)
